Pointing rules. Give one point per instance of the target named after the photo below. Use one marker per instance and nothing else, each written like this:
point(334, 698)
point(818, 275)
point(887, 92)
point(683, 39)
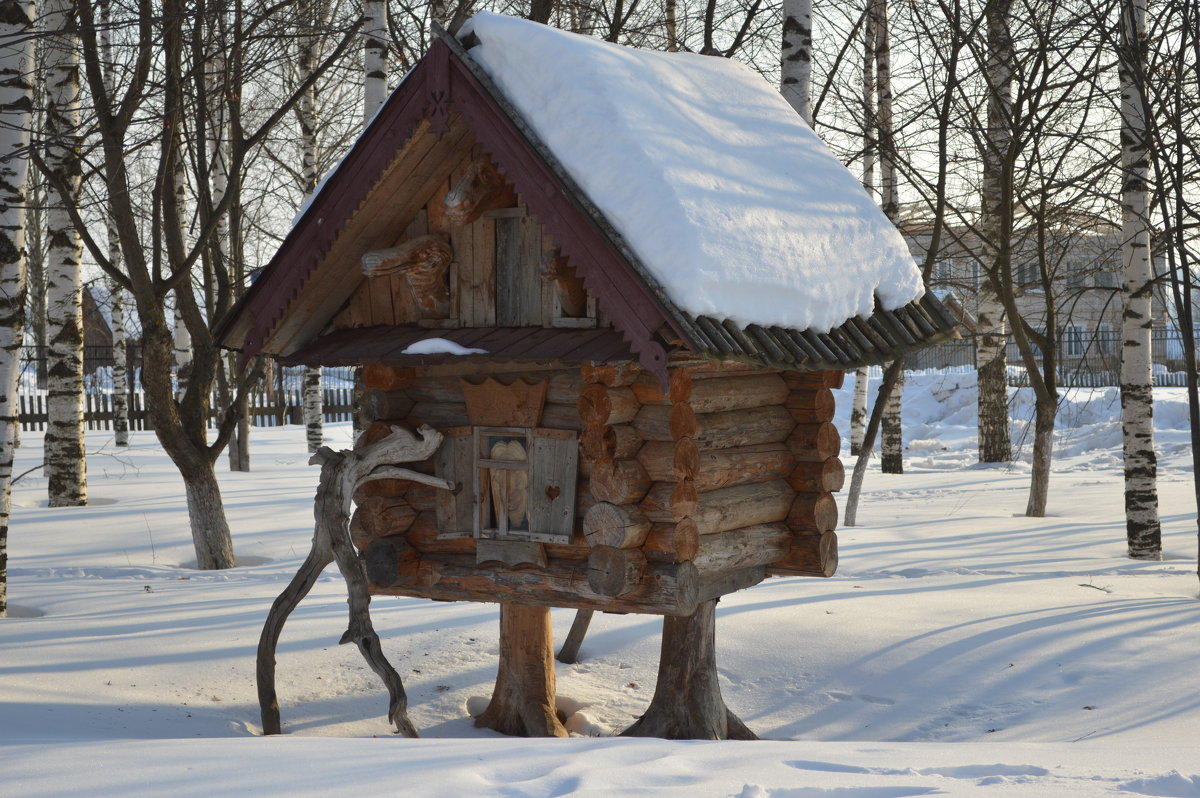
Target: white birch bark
point(16, 113)
point(991, 364)
point(120, 363)
point(858, 410)
point(120, 397)
point(796, 56)
point(891, 459)
point(1143, 531)
point(374, 58)
point(181, 352)
point(313, 12)
point(66, 468)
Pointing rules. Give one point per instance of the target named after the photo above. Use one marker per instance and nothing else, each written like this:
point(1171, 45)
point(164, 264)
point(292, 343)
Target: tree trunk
point(313, 14)
point(687, 702)
point(313, 410)
point(1043, 450)
point(890, 376)
point(796, 57)
point(891, 459)
point(858, 411)
point(1143, 531)
point(66, 468)
point(523, 700)
point(206, 516)
point(16, 105)
point(374, 32)
point(120, 363)
point(991, 341)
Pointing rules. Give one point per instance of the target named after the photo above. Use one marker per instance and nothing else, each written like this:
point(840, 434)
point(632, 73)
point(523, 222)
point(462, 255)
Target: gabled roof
point(448, 100)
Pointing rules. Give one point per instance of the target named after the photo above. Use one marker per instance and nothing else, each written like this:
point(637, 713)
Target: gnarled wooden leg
point(687, 703)
point(569, 653)
point(362, 632)
point(523, 699)
point(288, 600)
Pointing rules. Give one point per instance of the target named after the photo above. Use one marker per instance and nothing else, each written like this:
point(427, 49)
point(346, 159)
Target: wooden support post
point(687, 703)
point(523, 700)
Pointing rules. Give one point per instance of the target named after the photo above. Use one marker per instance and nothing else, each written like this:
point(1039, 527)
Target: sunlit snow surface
point(721, 189)
point(962, 649)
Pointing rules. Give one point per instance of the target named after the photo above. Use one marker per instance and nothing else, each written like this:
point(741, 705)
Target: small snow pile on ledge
point(440, 346)
point(727, 197)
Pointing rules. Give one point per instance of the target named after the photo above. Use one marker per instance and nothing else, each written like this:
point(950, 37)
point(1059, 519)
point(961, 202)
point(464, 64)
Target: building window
point(1074, 343)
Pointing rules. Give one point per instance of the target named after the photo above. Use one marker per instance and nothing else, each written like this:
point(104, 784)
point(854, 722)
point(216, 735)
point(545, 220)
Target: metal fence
point(1090, 360)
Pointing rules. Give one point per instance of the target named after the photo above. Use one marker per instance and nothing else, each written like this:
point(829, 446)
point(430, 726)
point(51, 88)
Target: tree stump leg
point(362, 632)
point(523, 700)
point(687, 703)
point(288, 600)
point(569, 653)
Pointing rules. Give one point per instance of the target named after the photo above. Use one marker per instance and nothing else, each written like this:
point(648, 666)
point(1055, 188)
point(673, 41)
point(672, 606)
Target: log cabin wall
point(682, 496)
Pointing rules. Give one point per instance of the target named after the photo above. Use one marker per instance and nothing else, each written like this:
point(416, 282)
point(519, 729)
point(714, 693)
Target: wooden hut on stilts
point(601, 298)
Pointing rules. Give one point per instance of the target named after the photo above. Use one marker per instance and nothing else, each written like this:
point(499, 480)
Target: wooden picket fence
point(284, 407)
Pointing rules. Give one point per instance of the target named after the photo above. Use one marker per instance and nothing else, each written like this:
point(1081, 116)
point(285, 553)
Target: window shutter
point(454, 462)
point(553, 470)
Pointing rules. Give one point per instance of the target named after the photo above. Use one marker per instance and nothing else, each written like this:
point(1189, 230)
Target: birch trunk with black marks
point(891, 446)
point(687, 702)
point(120, 373)
point(374, 32)
point(858, 410)
point(890, 376)
point(796, 57)
point(120, 359)
point(16, 115)
point(995, 440)
point(1143, 530)
point(66, 467)
point(312, 13)
point(891, 459)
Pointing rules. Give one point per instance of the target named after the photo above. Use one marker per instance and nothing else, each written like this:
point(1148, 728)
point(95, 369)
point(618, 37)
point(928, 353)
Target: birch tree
point(16, 111)
point(995, 441)
point(796, 57)
point(66, 466)
point(1143, 532)
point(312, 13)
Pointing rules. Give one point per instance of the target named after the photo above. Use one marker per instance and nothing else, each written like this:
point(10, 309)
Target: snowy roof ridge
point(727, 198)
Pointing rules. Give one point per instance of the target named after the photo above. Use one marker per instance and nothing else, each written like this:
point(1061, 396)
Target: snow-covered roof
point(727, 197)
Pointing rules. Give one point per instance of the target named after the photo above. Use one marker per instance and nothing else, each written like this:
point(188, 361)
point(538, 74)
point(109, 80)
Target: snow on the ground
point(962, 649)
point(728, 198)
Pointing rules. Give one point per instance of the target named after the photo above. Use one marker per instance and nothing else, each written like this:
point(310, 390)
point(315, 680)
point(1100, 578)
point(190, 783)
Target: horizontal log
point(817, 405)
point(512, 553)
point(390, 560)
point(720, 394)
point(813, 513)
point(611, 374)
point(613, 571)
point(618, 526)
point(441, 415)
point(422, 535)
point(725, 508)
point(599, 404)
point(815, 442)
point(746, 547)
point(379, 516)
point(600, 442)
point(816, 477)
point(824, 379)
point(563, 386)
point(722, 583)
point(664, 589)
point(715, 468)
point(810, 555)
point(722, 430)
point(374, 405)
point(677, 542)
point(619, 481)
point(387, 378)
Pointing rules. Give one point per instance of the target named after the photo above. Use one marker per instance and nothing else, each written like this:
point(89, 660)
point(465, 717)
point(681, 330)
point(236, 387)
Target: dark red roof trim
point(384, 344)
